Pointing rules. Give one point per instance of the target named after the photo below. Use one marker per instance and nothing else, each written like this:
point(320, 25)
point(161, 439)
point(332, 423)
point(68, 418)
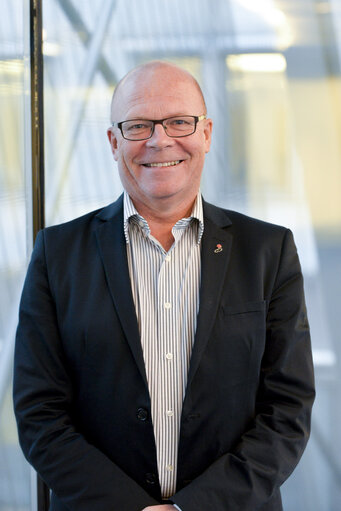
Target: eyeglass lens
point(139, 129)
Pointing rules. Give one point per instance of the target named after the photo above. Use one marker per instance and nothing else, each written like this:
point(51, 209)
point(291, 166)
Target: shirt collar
point(129, 211)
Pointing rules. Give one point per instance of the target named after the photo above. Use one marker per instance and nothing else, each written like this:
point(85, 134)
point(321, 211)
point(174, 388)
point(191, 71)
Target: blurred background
point(270, 71)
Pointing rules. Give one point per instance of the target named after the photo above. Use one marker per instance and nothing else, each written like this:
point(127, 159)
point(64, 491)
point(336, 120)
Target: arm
point(269, 450)
point(81, 476)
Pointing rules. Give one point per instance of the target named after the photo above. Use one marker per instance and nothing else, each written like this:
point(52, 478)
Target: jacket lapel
point(112, 248)
point(215, 255)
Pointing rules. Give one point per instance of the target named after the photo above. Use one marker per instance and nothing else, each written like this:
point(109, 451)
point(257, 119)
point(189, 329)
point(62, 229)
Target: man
point(163, 355)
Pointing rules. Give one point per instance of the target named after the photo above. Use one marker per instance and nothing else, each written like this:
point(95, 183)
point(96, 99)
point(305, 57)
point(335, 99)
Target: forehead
point(157, 95)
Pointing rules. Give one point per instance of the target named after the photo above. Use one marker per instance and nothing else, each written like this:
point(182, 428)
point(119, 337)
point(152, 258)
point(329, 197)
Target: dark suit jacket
point(80, 389)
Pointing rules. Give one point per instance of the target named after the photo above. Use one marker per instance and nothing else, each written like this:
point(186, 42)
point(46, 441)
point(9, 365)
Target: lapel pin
point(218, 248)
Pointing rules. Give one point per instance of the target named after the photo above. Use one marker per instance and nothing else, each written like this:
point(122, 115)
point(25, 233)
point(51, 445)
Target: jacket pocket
point(243, 308)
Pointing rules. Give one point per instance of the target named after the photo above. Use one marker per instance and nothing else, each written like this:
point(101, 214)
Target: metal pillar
point(37, 137)
point(37, 115)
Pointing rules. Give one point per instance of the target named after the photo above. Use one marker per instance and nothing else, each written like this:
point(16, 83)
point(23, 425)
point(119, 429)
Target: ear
point(113, 142)
point(208, 133)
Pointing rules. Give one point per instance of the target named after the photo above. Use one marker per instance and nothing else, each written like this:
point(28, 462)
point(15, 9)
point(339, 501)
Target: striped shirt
point(165, 288)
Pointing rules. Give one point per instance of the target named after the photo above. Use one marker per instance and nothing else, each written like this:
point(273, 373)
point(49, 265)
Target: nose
point(159, 139)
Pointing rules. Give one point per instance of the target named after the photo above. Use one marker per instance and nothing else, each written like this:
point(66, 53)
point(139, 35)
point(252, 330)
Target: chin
point(164, 193)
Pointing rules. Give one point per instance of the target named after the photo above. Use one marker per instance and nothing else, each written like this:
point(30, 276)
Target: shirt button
point(169, 356)
point(168, 305)
point(169, 468)
point(167, 258)
point(169, 413)
point(141, 224)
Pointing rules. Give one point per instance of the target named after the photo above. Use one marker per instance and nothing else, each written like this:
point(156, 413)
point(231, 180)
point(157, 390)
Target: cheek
point(199, 153)
point(128, 172)
point(200, 147)
point(128, 152)
point(124, 161)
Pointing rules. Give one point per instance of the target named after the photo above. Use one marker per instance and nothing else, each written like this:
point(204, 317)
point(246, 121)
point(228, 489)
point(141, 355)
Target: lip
point(159, 164)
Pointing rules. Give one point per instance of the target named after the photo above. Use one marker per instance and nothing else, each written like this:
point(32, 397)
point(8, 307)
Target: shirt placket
point(170, 370)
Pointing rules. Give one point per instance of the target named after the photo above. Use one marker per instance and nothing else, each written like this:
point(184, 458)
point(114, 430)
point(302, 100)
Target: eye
point(180, 121)
point(137, 126)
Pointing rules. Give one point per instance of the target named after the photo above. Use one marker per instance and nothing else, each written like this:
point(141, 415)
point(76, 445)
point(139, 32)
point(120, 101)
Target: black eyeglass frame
point(197, 118)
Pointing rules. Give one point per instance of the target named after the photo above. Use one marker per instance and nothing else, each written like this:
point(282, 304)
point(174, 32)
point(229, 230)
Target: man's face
point(158, 95)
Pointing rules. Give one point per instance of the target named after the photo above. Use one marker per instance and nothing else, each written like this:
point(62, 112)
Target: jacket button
point(142, 414)
point(151, 478)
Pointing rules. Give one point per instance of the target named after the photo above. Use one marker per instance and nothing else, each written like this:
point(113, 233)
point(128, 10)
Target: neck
point(162, 216)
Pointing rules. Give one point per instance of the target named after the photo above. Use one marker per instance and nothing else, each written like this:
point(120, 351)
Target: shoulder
point(84, 224)
point(264, 240)
point(241, 223)
point(254, 243)
point(76, 237)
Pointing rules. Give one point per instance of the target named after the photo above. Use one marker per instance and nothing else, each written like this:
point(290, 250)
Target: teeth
point(167, 164)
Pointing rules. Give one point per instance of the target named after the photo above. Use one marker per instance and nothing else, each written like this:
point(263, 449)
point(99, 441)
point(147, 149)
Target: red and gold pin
point(218, 248)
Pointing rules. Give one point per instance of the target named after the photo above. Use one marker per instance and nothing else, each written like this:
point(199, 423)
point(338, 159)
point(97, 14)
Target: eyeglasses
point(175, 127)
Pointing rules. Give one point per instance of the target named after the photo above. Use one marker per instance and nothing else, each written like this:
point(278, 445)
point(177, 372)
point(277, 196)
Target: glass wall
point(270, 71)
point(16, 234)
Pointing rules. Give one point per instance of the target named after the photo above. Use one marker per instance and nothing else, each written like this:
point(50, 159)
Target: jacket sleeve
point(79, 474)
point(266, 454)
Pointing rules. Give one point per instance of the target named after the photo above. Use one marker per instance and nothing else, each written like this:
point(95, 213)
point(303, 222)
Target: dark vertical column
point(37, 115)
point(37, 136)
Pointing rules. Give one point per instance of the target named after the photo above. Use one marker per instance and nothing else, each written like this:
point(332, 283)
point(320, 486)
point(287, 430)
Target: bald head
point(155, 72)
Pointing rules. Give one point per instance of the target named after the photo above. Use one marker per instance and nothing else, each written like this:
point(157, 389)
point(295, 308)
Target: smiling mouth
point(165, 164)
